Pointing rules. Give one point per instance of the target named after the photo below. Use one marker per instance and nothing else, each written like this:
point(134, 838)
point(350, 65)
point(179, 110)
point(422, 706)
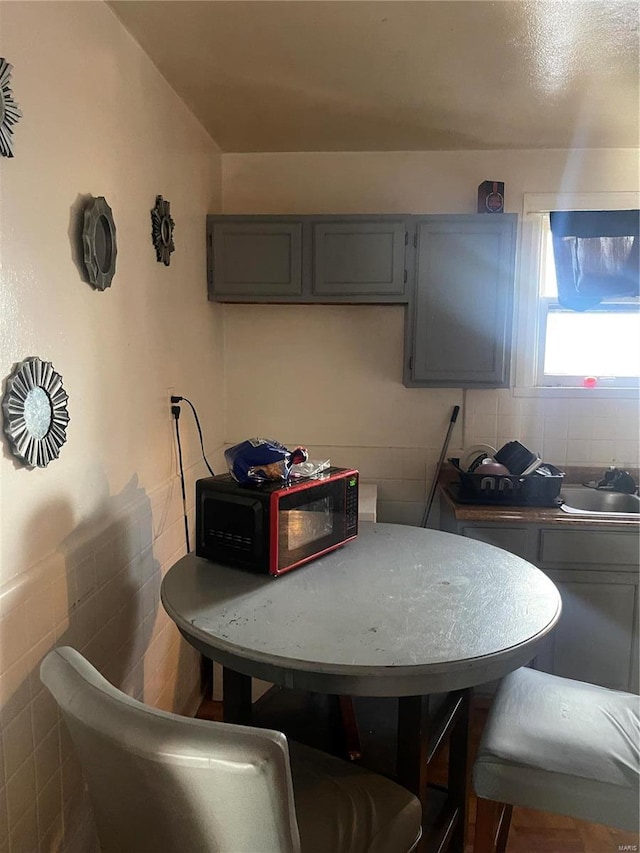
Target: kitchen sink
point(582, 500)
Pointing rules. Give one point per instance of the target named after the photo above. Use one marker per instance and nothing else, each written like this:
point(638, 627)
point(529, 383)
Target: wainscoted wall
point(576, 433)
point(100, 594)
point(84, 543)
point(568, 433)
point(330, 378)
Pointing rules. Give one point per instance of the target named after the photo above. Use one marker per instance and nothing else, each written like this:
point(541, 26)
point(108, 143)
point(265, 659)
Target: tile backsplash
point(565, 432)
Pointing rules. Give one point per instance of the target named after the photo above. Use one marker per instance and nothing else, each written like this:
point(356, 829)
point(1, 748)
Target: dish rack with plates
point(542, 488)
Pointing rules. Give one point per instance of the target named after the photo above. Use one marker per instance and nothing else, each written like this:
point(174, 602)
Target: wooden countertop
point(529, 514)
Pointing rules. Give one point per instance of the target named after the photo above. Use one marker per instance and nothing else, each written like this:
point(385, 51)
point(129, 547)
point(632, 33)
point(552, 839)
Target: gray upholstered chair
point(171, 784)
point(560, 746)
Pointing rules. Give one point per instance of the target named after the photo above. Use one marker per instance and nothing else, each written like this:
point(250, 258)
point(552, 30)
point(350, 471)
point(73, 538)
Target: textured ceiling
point(381, 76)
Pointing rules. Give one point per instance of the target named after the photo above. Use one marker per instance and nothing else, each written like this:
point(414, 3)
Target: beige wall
point(331, 377)
point(84, 542)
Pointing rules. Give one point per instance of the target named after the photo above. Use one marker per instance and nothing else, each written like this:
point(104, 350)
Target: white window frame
point(528, 313)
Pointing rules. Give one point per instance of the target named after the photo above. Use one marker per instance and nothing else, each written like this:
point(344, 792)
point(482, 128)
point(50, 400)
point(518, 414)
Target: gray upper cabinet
point(354, 258)
point(456, 273)
point(328, 259)
point(460, 319)
point(254, 259)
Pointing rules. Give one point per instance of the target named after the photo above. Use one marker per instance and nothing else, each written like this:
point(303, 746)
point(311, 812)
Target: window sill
point(563, 391)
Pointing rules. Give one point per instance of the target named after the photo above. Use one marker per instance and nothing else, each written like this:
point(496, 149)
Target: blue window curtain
point(596, 256)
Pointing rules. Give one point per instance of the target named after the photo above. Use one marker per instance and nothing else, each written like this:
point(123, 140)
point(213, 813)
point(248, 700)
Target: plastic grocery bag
point(258, 460)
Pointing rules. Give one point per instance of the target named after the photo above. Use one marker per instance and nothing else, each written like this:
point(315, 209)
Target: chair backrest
point(172, 784)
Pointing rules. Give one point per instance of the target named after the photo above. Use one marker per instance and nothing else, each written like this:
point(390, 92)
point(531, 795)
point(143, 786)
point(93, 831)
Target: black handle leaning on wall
point(434, 482)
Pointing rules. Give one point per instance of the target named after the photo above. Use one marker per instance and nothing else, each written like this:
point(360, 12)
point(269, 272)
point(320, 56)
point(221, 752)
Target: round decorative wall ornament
point(162, 230)
point(99, 243)
point(9, 110)
point(34, 410)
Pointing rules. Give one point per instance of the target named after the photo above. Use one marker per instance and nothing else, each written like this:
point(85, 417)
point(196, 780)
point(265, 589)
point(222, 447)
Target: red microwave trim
point(276, 571)
point(274, 500)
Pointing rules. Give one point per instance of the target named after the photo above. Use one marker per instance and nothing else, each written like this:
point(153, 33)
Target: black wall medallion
point(162, 230)
point(99, 243)
point(34, 410)
point(9, 110)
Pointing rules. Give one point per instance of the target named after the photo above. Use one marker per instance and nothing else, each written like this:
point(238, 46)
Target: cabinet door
point(255, 260)
point(593, 640)
point(359, 261)
point(460, 327)
point(512, 539)
point(588, 549)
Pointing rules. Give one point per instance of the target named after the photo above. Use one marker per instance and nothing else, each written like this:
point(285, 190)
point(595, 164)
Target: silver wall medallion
point(99, 243)
point(162, 230)
point(34, 410)
point(9, 110)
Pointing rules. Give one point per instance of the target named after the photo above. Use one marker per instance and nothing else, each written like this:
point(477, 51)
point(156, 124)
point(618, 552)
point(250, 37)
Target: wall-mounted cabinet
point(364, 259)
point(307, 259)
point(456, 273)
point(460, 318)
point(254, 260)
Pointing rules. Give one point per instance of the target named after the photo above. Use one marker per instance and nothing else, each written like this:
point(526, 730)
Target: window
point(588, 347)
point(559, 347)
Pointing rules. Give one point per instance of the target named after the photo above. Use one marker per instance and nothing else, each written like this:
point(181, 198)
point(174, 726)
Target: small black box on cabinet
point(491, 197)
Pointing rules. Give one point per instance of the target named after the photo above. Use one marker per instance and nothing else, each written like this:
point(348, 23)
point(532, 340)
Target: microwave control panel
point(351, 504)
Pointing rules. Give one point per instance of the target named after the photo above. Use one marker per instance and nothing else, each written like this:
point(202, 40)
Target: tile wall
point(598, 432)
point(99, 593)
point(565, 432)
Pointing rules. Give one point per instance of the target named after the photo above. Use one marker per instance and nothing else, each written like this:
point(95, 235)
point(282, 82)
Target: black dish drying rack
point(542, 488)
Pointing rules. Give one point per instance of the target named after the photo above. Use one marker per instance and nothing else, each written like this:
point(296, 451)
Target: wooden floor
point(531, 831)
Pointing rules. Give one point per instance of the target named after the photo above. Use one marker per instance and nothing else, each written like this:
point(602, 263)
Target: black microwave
point(274, 527)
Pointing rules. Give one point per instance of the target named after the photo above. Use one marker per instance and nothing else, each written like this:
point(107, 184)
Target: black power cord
point(175, 411)
point(206, 665)
point(174, 401)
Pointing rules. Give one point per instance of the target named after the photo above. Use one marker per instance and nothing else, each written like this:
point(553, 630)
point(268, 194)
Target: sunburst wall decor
point(9, 110)
point(34, 410)
point(162, 230)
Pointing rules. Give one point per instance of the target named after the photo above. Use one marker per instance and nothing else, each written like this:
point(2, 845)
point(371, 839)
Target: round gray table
point(400, 611)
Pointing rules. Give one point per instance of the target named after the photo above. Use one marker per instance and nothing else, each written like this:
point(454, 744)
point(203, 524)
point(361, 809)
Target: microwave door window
point(309, 523)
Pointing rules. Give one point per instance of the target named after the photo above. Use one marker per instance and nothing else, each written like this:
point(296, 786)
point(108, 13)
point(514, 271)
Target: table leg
point(413, 744)
point(418, 740)
point(458, 770)
point(349, 728)
point(236, 697)
point(206, 677)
